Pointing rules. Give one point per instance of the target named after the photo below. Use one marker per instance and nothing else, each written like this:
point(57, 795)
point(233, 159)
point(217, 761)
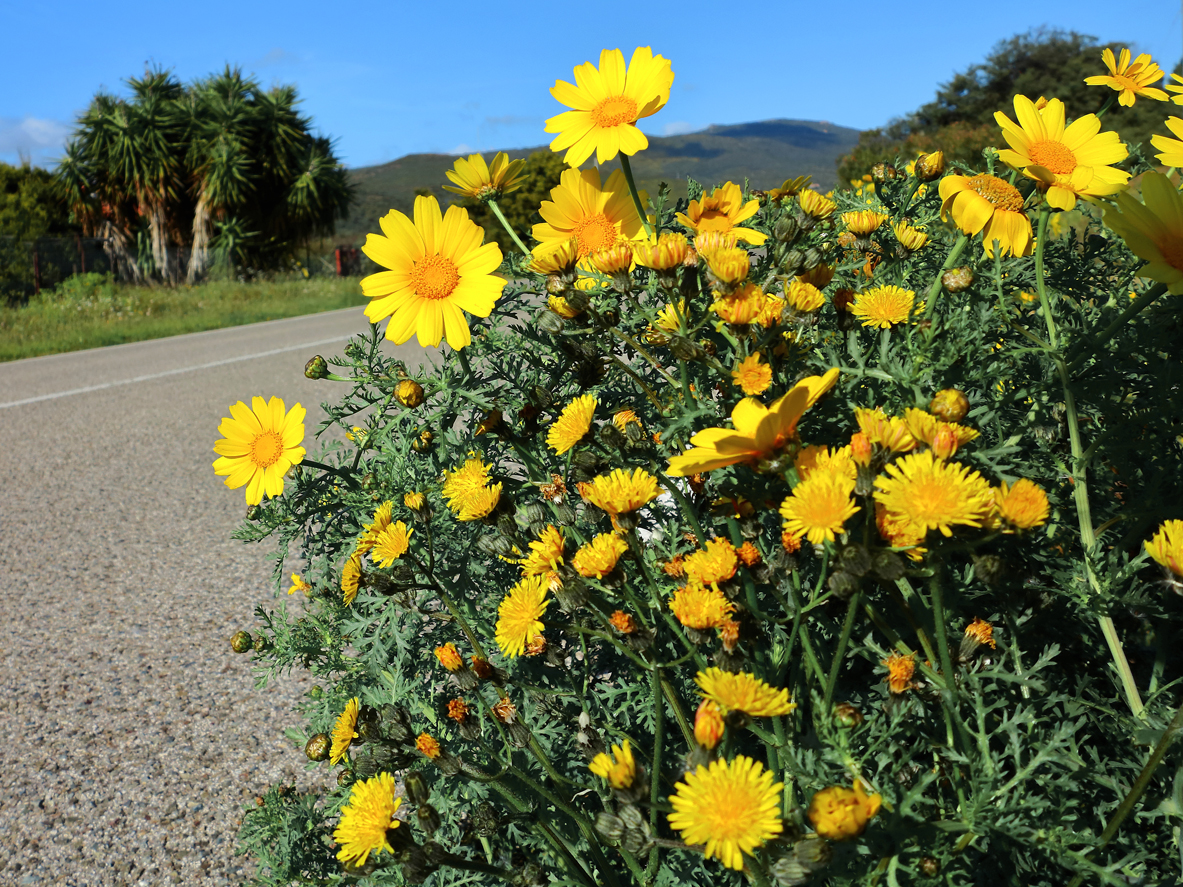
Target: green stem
point(1140, 785)
point(655, 768)
point(505, 224)
point(680, 716)
point(341, 473)
point(632, 189)
point(1040, 283)
point(934, 289)
point(1143, 301)
point(840, 652)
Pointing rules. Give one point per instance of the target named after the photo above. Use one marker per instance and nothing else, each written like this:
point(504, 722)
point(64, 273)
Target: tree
point(542, 172)
point(30, 206)
point(960, 120)
point(218, 168)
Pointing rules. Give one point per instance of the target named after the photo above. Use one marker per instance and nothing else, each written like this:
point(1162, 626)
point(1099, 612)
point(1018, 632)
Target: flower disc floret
point(438, 269)
point(520, 614)
point(743, 692)
point(922, 493)
point(366, 818)
point(572, 425)
point(607, 103)
point(731, 807)
point(258, 446)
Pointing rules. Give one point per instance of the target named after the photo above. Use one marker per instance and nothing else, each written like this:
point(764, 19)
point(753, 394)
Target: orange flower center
point(1002, 194)
point(1054, 156)
point(594, 233)
point(266, 449)
point(434, 277)
point(614, 111)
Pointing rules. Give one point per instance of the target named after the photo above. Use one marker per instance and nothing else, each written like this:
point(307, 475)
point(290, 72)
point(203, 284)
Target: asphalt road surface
point(132, 735)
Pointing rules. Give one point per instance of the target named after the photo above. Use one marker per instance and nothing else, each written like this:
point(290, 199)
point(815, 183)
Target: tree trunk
point(199, 258)
point(159, 237)
point(115, 246)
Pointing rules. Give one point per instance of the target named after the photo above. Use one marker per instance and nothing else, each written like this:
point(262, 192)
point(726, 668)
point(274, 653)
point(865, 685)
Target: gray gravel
point(132, 734)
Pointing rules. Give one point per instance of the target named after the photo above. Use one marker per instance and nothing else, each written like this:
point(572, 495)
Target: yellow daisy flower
point(757, 431)
point(619, 492)
point(556, 257)
point(1022, 505)
point(619, 768)
point(889, 432)
point(1154, 230)
point(475, 178)
point(598, 558)
point(344, 731)
point(819, 507)
point(697, 606)
point(520, 614)
point(815, 205)
point(863, 222)
point(743, 692)
point(383, 515)
point(438, 270)
point(708, 724)
point(546, 553)
point(924, 427)
point(668, 251)
point(1068, 161)
point(817, 459)
point(391, 544)
point(732, 807)
point(925, 493)
point(710, 241)
point(258, 446)
point(572, 425)
point(623, 418)
point(804, 297)
point(987, 204)
point(596, 217)
point(1129, 79)
point(449, 657)
point(467, 492)
point(752, 376)
point(721, 213)
point(607, 102)
point(743, 306)
point(883, 306)
point(716, 562)
point(1172, 149)
point(298, 584)
point(729, 266)
point(1166, 546)
point(351, 578)
point(366, 818)
point(981, 632)
point(839, 813)
point(911, 239)
point(900, 670)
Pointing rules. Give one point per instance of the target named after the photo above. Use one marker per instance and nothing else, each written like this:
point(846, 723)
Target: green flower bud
point(316, 368)
point(958, 280)
point(855, 559)
point(428, 818)
point(609, 827)
point(843, 584)
point(241, 642)
point(317, 748)
point(888, 566)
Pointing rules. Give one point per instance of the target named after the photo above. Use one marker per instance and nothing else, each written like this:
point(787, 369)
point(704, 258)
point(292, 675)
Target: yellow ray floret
point(743, 692)
point(722, 212)
point(1153, 230)
point(1130, 79)
point(473, 177)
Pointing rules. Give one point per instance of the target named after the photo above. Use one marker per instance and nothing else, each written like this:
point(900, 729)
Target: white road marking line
point(150, 376)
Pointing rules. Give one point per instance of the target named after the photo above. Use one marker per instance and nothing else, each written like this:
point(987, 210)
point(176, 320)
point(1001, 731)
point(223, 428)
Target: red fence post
point(337, 253)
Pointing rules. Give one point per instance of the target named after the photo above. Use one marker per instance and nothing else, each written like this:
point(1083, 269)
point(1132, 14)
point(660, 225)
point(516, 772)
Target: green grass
point(90, 311)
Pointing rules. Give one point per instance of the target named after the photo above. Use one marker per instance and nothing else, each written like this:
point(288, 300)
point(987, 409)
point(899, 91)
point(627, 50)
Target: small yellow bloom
point(619, 492)
point(839, 813)
point(815, 205)
point(819, 507)
point(344, 731)
point(925, 427)
point(449, 657)
point(804, 297)
point(722, 212)
point(743, 692)
point(560, 306)
point(546, 553)
point(258, 446)
point(520, 614)
point(670, 250)
point(911, 239)
point(351, 578)
point(729, 266)
point(556, 257)
point(863, 222)
point(752, 376)
point(899, 672)
point(711, 241)
point(1166, 546)
point(696, 606)
point(572, 425)
point(607, 103)
point(889, 432)
point(716, 562)
point(598, 558)
point(475, 178)
point(596, 216)
point(366, 819)
point(623, 622)
point(623, 418)
point(925, 493)
point(1130, 79)
point(744, 306)
point(619, 768)
point(428, 745)
point(298, 584)
point(1021, 506)
point(414, 500)
point(883, 306)
point(982, 632)
point(818, 276)
point(467, 492)
point(391, 544)
point(708, 724)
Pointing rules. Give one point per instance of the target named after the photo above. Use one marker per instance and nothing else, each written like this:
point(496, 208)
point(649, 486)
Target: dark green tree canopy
point(960, 119)
point(182, 176)
point(30, 206)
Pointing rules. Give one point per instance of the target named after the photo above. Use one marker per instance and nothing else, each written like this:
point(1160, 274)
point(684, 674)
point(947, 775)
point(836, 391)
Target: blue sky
point(395, 78)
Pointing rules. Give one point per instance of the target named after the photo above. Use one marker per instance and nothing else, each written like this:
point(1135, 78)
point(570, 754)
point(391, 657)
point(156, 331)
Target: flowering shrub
point(779, 537)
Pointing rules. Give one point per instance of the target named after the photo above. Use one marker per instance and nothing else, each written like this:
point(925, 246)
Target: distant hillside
point(766, 153)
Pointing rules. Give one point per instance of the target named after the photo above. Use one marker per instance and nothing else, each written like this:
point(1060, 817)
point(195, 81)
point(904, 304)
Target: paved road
point(132, 734)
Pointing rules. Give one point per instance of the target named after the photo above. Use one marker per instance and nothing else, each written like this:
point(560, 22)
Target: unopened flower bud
point(855, 559)
point(409, 393)
point(609, 827)
point(988, 568)
point(813, 852)
point(847, 716)
point(888, 566)
point(843, 584)
point(344, 778)
point(949, 405)
point(317, 748)
point(788, 872)
point(930, 166)
point(944, 443)
point(485, 820)
point(881, 172)
point(786, 229)
point(958, 280)
point(708, 724)
point(242, 642)
point(428, 818)
point(316, 368)
point(415, 784)
point(549, 322)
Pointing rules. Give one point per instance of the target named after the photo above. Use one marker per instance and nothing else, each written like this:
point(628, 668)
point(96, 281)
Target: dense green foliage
point(996, 765)
point(182, 177)
point(30, 206)
point(960, 119)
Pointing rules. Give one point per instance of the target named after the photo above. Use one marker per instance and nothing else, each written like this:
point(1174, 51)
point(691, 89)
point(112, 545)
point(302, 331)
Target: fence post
point(337, 253)
point(36, 270)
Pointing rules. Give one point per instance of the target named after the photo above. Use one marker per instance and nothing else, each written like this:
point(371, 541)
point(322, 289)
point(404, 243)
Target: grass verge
point(89, 311)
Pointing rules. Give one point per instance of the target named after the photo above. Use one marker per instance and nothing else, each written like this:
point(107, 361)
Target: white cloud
point(463, 149)
point(42, 141)
point(678, 128)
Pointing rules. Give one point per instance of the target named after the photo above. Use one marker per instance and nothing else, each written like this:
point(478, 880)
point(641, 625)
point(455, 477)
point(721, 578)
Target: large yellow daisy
point(732, 807)
point(438, 270)
point(1068, 161)
point(366, 819)
point(1130, 79)
point(258, 446)
point(988, 204)
point(597, 217)
point(608, 101)
point(819, 507)
point(721, 212)
point(1154, 230)
point(757, 430)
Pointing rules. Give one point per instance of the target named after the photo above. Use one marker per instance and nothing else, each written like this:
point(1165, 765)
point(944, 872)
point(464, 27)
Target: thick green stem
point(655, 766)
point(934, 289)
point(508, 227)
point(840, 652)
point(1053, 337)
point(632, 189)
